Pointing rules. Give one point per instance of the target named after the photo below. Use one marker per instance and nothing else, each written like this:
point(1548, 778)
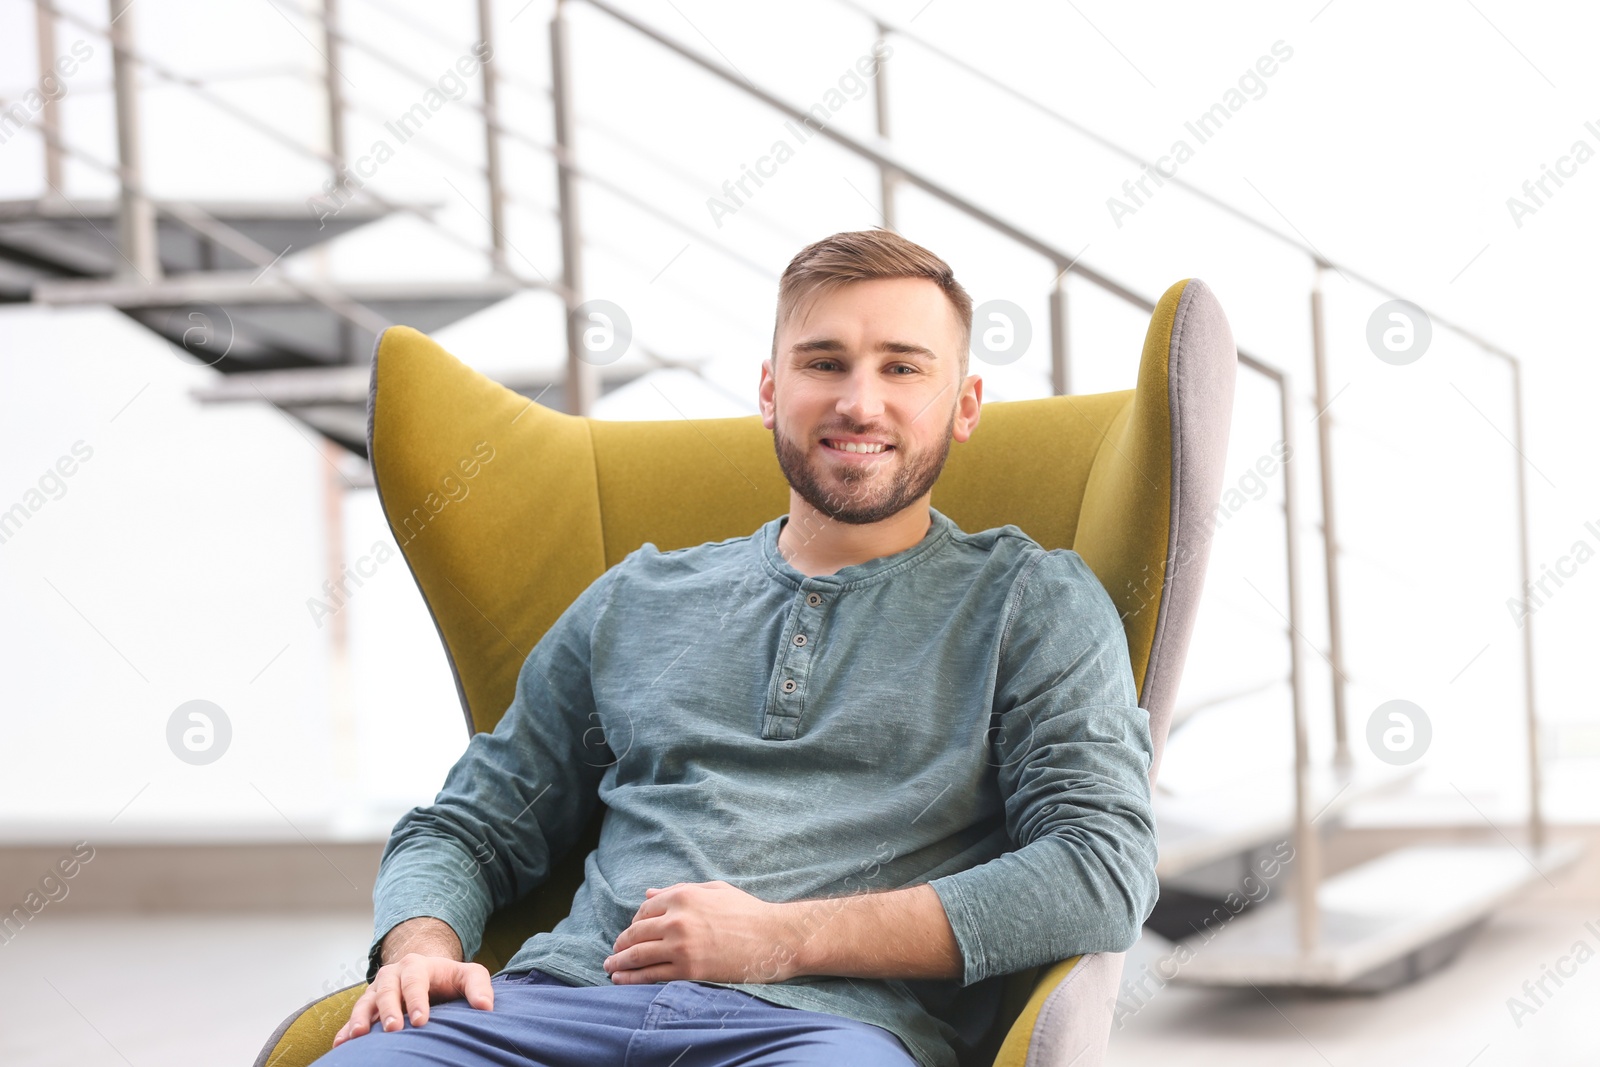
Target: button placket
point(783, 719)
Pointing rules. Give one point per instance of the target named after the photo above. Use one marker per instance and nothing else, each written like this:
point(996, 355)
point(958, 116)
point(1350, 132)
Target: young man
point(858, 765)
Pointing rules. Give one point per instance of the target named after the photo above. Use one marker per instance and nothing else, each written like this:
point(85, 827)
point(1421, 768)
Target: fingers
point(632, 963)
point(387, 985)
point(661, 972)
point(361, 1014)
point(414, 985)
point(465, 980)
point(640, 931)
point(475, 986)
point(408, 985)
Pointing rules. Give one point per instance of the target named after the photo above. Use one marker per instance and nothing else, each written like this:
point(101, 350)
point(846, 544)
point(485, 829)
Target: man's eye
point(829, 364)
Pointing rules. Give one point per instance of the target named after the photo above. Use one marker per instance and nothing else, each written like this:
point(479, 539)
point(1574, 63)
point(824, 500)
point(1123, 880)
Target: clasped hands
point(706, 931)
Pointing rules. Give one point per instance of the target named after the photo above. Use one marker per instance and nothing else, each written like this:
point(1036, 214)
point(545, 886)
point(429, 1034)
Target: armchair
point(1128, 479)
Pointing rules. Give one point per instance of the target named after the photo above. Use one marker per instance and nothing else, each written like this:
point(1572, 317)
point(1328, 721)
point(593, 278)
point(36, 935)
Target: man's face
point(874, 363)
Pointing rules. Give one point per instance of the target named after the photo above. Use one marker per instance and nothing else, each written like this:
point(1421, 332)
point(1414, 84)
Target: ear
point(766, 395)
point(969, 405)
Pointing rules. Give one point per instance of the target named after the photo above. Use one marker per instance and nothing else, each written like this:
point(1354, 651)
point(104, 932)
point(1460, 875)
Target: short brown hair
point(863, 255)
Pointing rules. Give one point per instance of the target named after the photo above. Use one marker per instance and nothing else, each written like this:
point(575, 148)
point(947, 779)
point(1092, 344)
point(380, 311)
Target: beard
point(858, 495)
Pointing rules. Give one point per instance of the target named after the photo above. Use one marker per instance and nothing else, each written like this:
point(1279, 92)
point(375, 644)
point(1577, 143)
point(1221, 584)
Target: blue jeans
point(540, 1021)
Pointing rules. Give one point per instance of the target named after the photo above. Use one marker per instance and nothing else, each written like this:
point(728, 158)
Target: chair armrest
point(308, 1031)
point(1068, 1018)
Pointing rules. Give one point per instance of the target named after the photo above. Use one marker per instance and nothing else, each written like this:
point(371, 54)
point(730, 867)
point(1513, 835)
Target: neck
point(815, 544)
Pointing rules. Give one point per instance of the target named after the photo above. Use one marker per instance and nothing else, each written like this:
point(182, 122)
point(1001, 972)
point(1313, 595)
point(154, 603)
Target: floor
point(205, 991)
point(167, 990)
point(1458, 1015)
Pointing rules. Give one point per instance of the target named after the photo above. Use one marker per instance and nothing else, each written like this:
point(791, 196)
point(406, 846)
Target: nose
point(862, 398)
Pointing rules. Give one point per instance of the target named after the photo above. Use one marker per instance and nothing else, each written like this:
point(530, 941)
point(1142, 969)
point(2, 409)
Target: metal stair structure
point(229, 312)
point(208, 277)
point(53, 239)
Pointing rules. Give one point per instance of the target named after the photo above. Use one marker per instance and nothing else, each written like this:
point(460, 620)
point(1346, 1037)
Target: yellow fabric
point(311, 1035)
point(506, 510)
point(1014, 1050)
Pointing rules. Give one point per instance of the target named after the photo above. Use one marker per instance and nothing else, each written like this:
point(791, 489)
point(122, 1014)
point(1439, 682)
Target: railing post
point(50, 115)
point(344, 726)
point(491, 140)
point(1308, 851)
point(1060, 351)
point(336, 144)
point(582, 377)
point(136, 217)
point(335, 94)
point(888, 178)
point(1535, 806)
point(1330, 538)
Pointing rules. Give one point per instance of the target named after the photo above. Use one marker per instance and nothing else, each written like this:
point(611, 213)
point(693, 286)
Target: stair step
point(323, 386)
point(333, 400)
point(1383, 922)
point(243, 321)
point(52, 238)
point(1199, 828)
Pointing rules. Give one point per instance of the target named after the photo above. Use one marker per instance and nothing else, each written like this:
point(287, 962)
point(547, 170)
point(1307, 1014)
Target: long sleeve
point(514, 802)
point(1072, 752)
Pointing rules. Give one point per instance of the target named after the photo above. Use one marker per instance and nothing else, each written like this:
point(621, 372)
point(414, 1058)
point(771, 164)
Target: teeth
point(851, 446)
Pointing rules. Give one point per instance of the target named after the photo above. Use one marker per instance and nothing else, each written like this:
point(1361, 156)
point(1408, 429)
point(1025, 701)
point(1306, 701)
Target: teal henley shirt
point(961, 712)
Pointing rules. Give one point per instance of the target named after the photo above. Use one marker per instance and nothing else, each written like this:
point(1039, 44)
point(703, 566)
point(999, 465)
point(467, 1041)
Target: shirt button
point(813, 599)
point(799, 639)
point(788, 685)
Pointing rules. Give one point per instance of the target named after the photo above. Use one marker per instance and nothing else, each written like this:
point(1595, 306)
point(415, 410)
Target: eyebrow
point(830, 344)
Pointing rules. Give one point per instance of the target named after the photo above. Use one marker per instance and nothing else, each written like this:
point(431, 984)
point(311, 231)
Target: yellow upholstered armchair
point(507, 510)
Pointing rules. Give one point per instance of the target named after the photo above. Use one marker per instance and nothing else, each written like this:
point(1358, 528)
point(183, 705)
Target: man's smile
point(856, 451)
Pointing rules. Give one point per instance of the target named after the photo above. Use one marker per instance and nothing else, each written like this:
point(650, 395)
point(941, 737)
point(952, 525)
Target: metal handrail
point(495, 125)
point(1325, 451)
point(1133, 157)
point(207, 225)
point(329, 296)
point(273, 133)
point(881, 156)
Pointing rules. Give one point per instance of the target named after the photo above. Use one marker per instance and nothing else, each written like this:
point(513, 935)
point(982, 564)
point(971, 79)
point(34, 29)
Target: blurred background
point(207, 212)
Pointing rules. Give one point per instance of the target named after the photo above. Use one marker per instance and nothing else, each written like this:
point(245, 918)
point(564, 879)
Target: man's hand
point(422, 963)
point(705, 931)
